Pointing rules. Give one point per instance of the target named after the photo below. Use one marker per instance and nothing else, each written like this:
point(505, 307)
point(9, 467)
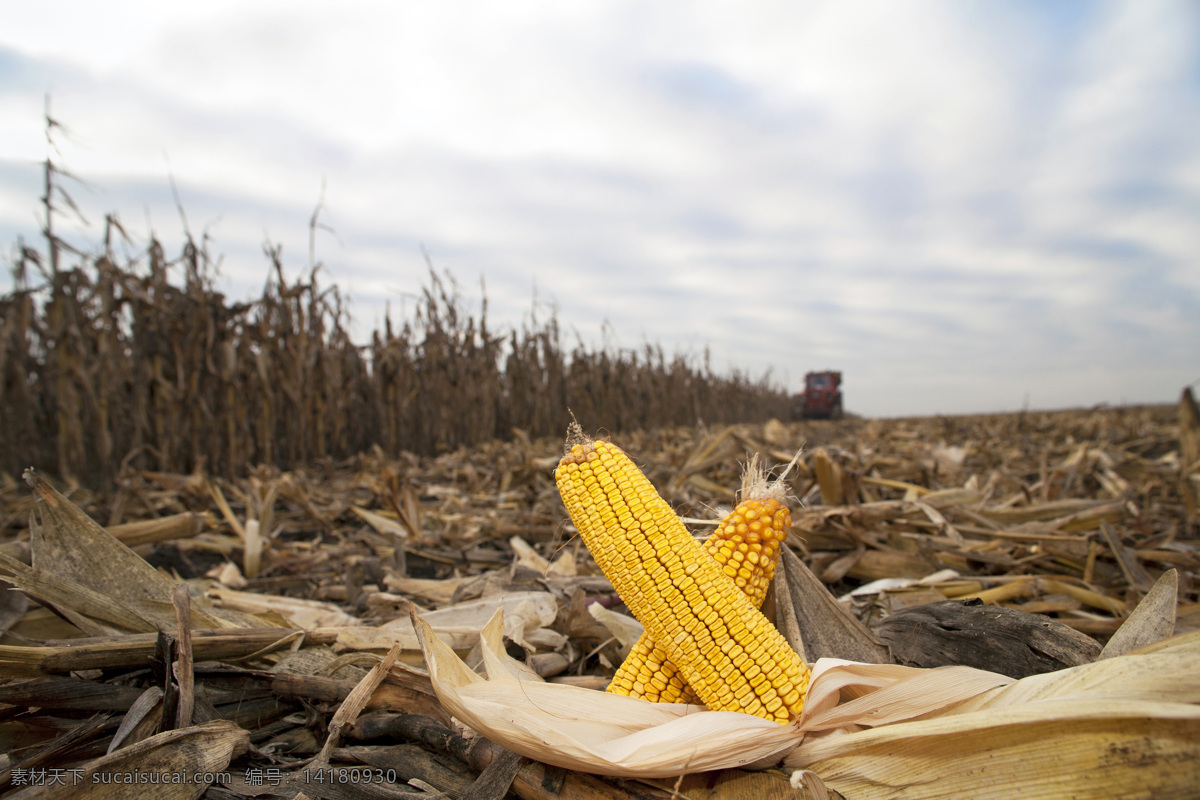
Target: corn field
point(144, 365)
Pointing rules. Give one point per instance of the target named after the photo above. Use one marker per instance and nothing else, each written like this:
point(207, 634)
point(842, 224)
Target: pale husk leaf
point(609, 734)
point(626, 629)
point(847, 693)
point(460, 624)
point(1059, 748)
point(1152, 621)
point(1124, 727)
point(592, 731)
point(1170, 676)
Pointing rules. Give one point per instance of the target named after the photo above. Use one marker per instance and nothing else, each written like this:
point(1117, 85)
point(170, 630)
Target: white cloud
point(955, 204)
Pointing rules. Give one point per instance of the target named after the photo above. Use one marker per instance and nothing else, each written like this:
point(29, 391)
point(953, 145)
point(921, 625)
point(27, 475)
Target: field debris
point(291, 659)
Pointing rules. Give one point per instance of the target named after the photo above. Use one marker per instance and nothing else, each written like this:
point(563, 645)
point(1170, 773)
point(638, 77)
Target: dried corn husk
point(1110, 728)
point(528, 614)
point(626, 629)
point(609, 734)
point(1123, 727)
point(591, 731)
point(307, 614)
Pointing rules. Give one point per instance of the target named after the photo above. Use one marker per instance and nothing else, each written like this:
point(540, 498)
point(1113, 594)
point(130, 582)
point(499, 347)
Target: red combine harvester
point(822, 397)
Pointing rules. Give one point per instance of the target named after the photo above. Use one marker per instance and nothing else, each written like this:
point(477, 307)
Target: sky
point(963, 206)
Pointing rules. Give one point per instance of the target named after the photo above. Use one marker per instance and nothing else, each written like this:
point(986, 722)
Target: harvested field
point(242, 556)
point(300, 581)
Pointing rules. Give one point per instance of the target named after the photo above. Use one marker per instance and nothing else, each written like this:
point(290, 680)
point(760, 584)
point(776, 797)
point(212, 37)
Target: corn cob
point(722, 646)
point(746, 545)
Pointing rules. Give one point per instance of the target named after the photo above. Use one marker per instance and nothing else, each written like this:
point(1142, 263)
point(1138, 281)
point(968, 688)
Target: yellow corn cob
point(723, 647)
point(746, 544)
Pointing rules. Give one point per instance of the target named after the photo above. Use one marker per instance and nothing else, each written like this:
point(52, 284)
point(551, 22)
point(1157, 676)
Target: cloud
point(955, 204)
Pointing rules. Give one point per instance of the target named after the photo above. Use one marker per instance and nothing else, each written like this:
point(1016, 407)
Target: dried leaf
point(1064, 748)
point(845, 693)
point(353, 705)
point(1152, 620)
point(439, 591)
point(815, 624)
point(73, 546)
point(459, 625)
point(167, 757)
point(563, 566)
point(626, 629)
point(306, 614)
point(385, 525)
point(93, 579)
point(141, 708)
point(105, 615)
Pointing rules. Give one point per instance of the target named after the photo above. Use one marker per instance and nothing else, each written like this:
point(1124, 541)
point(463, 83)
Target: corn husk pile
point(384, 611)
point(1117, 727)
